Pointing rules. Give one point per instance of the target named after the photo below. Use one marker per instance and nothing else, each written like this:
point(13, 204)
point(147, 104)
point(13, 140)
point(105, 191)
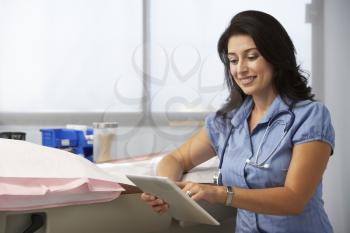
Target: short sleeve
point(212, 129)
point(314, 124)
point(216, 127)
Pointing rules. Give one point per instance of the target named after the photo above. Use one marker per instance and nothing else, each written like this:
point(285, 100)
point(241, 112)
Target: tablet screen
point(182, 207)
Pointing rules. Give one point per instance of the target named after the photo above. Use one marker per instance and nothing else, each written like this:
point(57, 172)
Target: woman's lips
point(247, 80)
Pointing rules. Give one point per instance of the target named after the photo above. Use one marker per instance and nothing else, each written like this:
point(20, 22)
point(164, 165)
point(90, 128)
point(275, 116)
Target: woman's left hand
point(207, 192)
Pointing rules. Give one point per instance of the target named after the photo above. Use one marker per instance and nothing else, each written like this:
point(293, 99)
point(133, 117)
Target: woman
point(278, 138)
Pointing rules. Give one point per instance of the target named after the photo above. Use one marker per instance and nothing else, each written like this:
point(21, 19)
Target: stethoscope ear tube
point(217, 179)
point(224, 148)
point(291, 121)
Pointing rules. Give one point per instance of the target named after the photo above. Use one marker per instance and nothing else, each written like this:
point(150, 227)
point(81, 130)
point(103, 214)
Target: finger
point(189, 187)
point(157, 202)
point(181, 184)
point(161, 209)
point(147, 197)
point(193, 190)
point(157, 208)
point(164, 209)
point(197, 196)
point(144, 196)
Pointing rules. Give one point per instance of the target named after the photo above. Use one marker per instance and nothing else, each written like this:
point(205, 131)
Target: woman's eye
point(234, 61)
point(252, 57)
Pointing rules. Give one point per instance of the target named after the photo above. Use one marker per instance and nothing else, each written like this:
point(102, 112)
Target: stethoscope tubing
point(263, 164)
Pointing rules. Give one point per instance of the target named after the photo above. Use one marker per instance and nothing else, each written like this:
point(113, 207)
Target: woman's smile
point(246, 81)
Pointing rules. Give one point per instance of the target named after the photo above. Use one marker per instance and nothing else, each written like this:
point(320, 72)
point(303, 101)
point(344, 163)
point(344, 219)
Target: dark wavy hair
point(275, 45)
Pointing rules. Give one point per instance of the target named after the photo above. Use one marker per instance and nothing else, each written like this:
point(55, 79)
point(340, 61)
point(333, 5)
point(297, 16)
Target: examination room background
point(44, 93)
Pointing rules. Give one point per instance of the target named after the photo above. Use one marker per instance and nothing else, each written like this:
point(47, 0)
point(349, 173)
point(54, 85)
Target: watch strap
point(229, 196)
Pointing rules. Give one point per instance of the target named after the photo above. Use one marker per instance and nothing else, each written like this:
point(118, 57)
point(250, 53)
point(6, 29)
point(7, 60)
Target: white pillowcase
point(34, 176)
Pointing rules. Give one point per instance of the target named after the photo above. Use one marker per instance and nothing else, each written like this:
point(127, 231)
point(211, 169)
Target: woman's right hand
point(158, 205)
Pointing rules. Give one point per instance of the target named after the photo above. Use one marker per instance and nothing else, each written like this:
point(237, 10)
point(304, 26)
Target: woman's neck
point(262, 104)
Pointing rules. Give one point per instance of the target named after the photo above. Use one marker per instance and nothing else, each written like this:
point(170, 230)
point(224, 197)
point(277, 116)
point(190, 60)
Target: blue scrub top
point(312, 122)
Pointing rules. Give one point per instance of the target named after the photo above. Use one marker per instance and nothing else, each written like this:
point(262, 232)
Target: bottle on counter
point(105, 141)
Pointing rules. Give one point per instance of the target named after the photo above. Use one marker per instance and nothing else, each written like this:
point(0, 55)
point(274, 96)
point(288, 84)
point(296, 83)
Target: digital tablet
point(181, 206)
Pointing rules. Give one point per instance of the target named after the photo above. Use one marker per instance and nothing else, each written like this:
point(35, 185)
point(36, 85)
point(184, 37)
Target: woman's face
point(249, 69)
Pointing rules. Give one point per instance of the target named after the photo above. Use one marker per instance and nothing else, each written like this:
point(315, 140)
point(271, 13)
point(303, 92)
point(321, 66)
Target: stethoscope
point(217, 179)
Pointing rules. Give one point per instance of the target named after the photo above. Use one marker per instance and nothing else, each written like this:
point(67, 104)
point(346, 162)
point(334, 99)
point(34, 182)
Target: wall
point(337, 82)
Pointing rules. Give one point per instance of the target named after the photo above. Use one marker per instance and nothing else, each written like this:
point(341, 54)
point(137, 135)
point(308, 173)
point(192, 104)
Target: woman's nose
point(242, 67)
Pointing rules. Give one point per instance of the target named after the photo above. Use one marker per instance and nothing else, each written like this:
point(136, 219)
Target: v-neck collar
point(246, 108)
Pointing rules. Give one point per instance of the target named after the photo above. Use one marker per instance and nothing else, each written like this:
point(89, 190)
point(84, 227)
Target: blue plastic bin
point(59, 138)
point(73, 139)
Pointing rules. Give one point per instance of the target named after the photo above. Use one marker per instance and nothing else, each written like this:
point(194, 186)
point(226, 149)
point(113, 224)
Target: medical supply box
point(76, 141)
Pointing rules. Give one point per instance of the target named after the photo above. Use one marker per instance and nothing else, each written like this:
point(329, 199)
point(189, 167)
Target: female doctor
point(272, 138)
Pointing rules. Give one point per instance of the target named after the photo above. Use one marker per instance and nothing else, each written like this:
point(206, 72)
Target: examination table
point(125, 214)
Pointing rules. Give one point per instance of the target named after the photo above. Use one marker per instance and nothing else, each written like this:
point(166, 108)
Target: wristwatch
point(229, 196)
